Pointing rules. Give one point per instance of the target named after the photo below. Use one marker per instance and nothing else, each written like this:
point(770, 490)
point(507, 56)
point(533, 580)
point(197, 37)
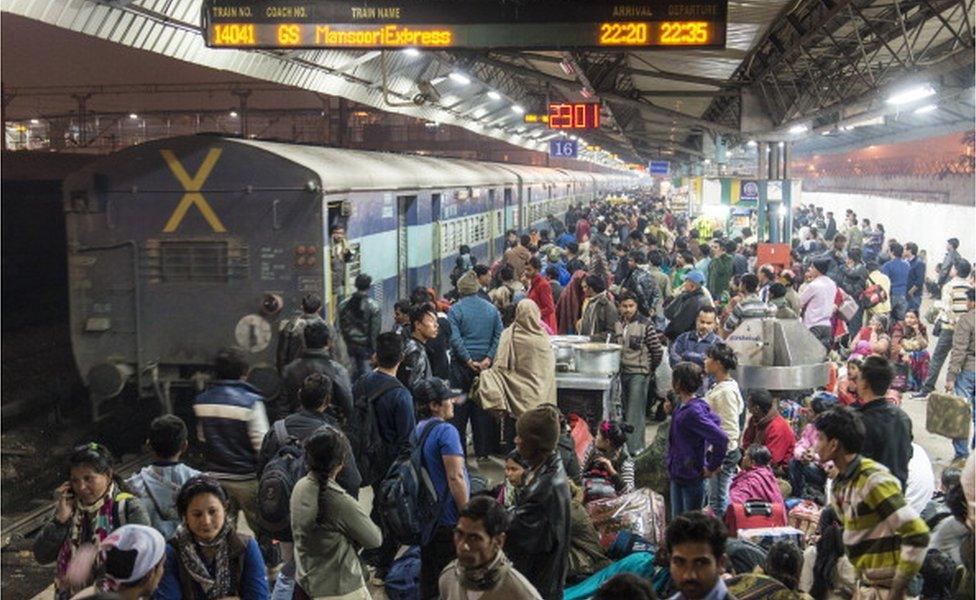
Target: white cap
point(130, 552)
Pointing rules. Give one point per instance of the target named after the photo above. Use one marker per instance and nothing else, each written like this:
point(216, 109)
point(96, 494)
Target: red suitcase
point(752, 514)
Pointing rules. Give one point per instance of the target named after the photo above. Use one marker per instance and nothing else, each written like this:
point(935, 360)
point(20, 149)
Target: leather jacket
point(415, 366)
point(540, 551)
point(317, 361)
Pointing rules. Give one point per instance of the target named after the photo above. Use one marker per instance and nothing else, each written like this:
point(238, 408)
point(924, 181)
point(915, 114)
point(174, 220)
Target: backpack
point(561, 273)
point(352, 328)
point(368, 447)
point(407, 500)
point(277, 481)
point(402, 581)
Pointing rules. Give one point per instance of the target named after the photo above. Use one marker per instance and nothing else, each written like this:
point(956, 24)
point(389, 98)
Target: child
point(515, 468)
point(160, 483)
point(611, 455)
point(846, 390)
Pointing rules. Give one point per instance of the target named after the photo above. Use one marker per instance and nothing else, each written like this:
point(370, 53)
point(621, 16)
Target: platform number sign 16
point(563, 149)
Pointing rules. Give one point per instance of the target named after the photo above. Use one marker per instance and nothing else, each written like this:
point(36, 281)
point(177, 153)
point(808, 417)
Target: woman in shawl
point(207, 559)
point(523, 375)
point(91, 504)
point(570, 305)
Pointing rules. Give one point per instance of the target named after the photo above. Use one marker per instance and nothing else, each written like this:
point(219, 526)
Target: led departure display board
point(574, 115)
point(445, 24)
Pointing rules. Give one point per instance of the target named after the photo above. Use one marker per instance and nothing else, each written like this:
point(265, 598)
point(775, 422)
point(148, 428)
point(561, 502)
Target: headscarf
point(220, 585)
point(570, 304)
point(523, 374)
point(90, 524)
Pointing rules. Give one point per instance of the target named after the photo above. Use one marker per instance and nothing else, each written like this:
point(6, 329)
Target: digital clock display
point(478, 24)
point(578, 115)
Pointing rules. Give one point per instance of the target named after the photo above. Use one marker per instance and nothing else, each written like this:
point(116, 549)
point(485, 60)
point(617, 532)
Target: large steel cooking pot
point(594, 358)
point(562, 347)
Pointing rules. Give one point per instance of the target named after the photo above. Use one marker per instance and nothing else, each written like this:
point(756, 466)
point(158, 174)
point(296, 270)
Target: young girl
point(612, 456)
point(91, 504)
point(515, 468)
point(910, 346)
point(846, 390)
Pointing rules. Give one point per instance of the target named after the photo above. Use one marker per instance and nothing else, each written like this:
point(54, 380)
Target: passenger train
point(181, 246)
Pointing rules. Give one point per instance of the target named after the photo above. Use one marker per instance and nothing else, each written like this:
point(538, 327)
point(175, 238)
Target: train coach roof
point(340, 169)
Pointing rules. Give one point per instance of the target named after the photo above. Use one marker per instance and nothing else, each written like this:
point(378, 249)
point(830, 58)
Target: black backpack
point(368, 448)
point(277, 481)
point(407, 500)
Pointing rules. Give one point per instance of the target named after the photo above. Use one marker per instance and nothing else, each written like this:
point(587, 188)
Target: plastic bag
point(582, 438)
point(641, 512)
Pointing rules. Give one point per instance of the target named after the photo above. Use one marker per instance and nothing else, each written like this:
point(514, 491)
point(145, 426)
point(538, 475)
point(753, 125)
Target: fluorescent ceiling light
point(411, 52)
point(798, 129)
point(751, 143)
point(911, 95)
point(459, 78)
point(233, 114)
point(925, 109)
point(133, 116)
point(35, 121)
point(494, 95)
point(518, 109)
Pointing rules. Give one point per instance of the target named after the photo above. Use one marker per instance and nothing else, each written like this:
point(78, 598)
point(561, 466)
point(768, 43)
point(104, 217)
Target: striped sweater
point(884, 537)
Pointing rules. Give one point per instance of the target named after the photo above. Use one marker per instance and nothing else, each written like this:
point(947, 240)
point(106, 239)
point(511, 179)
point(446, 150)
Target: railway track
point(29, 523)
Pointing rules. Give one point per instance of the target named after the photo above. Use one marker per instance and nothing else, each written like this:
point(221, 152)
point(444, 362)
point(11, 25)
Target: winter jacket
point(476, 327)
point(720, 271)
point(643, 285)
point(540, 550)
point(689, 347)
point(48, 542)
point(758, 483)
point(541, 294)
point(599, 316)
point(683, 311)
point(158, 485)
point(641, 350)
point(775, 434)
point(696, 441)
point(231, 423)
point(301, 425)
point(415, 366)
point(248, 575)
point(518, 257)
point(317, 361)
point(291, 338)
point(889, 439)
point(360, 330)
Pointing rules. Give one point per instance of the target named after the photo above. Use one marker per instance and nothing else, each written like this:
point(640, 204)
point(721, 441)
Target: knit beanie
point(468, 284)
point(539, 429)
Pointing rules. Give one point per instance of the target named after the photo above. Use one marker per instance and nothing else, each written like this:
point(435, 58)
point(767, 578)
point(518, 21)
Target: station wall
point(928, 224)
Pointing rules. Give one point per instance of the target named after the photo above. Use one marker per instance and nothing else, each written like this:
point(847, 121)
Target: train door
point(336, 213)
point(405, 205)
point(435, 241)
point(511, 212)
point(524, 204)
point(492, 232)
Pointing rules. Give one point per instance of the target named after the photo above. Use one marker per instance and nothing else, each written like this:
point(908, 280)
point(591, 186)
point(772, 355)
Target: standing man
point(483, 273)
point(481, 568)
point(884, 537)
point(291, 337)
point(359, 322)
point(316, 359)
point(541, 513)
point(961, 377)
point(720, 269)
point(898, 270)
point(391, 406)
point(682, 313)
point(817, 300)
point(231, 423)
point(416, 364)
point(950, 259)
point(692, 346)
point(831, 229)
point(954, 305)
point(476, 327)
point(916, 276)
point(599, 313)
point(748, 307)
point(341, 255)
point(640, 354)
point(444, 461)
point(518, 256)
point(540, 291)
point(890, 442)
point(640, 283)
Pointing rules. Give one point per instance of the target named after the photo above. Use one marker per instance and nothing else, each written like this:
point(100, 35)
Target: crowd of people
point(417, 414)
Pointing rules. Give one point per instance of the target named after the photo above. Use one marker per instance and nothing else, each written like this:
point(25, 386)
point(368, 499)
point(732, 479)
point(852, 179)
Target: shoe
point(919, 395)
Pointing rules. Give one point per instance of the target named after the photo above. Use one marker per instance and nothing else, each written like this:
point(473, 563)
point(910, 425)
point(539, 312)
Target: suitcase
point(752, 514)
point(767, 536)
point(948, 416)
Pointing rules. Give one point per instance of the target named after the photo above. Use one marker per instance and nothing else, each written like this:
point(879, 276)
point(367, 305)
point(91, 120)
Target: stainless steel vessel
point(595, 358)
point(778, 355)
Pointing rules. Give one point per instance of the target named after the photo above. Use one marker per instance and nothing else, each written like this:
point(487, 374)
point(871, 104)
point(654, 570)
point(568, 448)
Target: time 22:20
point(623, 34)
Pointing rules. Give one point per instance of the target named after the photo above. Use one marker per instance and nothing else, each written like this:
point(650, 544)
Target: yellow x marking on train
point(192, 188)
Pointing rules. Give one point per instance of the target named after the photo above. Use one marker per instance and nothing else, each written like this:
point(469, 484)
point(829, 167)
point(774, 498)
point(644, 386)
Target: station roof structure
point(818, 73)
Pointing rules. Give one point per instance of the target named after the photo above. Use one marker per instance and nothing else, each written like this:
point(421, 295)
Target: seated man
point(756, 481)
point(766, 426)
